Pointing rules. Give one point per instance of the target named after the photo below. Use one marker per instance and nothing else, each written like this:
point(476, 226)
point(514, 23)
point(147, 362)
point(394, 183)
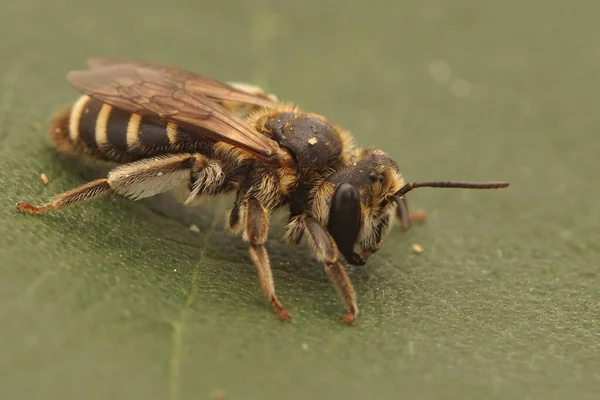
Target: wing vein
point(177, 96)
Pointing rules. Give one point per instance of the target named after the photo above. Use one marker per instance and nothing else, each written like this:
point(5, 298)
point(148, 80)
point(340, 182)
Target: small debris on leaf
point(312, 141)
point(44, 179)
point(217, 394)
point(194, 228)
point(418, 216)
point(417, 248)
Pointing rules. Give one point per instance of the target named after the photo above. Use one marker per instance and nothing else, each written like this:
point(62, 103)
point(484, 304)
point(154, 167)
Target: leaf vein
point(174, 376)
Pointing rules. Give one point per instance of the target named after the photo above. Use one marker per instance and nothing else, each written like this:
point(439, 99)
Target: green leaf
point(120, 300)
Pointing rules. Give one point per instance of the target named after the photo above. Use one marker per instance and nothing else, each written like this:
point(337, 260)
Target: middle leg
point(255, 232)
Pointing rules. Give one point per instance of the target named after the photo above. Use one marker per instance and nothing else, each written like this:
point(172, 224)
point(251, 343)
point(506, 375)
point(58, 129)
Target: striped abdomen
point(96, 128)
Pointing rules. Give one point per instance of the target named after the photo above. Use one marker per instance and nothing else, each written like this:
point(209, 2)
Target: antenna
point(451, 184)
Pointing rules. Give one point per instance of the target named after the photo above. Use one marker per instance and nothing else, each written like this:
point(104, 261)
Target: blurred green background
point(119, 300)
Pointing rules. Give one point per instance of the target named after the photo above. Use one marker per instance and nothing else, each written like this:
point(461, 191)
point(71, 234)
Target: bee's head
point(366, 194)
point(363, 194)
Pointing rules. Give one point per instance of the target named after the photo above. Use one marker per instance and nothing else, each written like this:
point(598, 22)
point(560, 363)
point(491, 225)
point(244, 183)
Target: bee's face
point(375, 176)
point(361, 199)
point(384, 180)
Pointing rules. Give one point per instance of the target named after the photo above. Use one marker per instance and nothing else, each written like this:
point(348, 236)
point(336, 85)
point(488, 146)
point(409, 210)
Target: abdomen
point(98, 129)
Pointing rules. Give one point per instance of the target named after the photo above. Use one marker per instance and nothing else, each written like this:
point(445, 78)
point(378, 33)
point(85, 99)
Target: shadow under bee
point(201, 214)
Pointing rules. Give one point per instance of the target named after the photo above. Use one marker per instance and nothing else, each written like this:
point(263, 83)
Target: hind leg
point(141, 179)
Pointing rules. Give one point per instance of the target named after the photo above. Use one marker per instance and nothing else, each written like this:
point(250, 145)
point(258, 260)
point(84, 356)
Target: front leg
point(255, 232)
point(326, 252)
point(406, 218)
point(380, 230)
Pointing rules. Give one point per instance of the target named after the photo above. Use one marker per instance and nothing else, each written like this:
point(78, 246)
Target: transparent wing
point(174, 95)
point(199, 84)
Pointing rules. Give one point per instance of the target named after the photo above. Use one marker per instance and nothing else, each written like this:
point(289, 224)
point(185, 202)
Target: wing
point(177, 96)
point(199, 84)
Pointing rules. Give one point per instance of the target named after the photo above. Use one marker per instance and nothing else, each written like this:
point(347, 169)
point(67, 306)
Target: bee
point(166, 127)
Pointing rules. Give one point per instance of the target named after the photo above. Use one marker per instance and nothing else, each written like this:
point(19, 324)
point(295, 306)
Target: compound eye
point(344, 221)
point(381, 178)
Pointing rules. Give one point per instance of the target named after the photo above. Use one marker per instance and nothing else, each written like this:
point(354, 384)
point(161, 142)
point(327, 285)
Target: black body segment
point(153, 134)
point(299, 199)
point(314, 143)
point(116, 129)
point(87, 124)
point(344, 221)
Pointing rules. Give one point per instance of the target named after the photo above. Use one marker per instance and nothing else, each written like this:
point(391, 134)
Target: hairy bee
point(167, 127)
